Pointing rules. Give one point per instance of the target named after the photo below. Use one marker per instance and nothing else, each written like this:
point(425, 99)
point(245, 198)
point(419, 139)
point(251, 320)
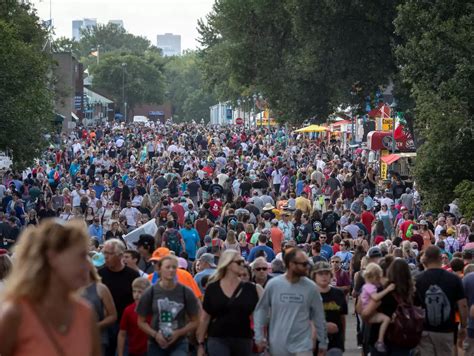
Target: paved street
point(351, 333)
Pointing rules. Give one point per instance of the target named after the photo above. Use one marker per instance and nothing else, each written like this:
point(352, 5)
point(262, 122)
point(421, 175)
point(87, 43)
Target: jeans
point(393, 351)
point(180, 348)
point(229, 346)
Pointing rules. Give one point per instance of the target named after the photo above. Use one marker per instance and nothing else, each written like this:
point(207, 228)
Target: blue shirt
point(199, 276)
point(96, 231)
point(326, 251)
point(268, 251)
point(99, 189)
point(191, 239)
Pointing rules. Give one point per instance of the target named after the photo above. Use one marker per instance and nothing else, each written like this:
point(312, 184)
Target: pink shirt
point(367, 290)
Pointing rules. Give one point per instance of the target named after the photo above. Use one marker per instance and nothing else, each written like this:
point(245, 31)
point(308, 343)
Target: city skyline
point(146, 18)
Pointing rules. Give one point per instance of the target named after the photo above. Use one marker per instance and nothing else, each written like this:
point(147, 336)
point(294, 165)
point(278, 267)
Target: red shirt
point(137, 339)
point(208, 170)
point(215, 207)
point(179, 210)
point(367, 218)
point(336, 248)
point(404, 227)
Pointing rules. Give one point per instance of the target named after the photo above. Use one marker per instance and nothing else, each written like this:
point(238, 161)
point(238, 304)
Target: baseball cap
point(207, 239)
point(3, 252)
point(208, 258)
point(182, 263)
point(423, 222)
point(159, 253)
point(374, 252)
point(321, 266)
point(145, 240)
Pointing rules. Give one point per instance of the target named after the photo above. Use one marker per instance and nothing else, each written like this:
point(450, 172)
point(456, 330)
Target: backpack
point(407, 326)
point(172, 241)
point(438, 307)
point(329, 220)
point(450, 246)
point(192, 216)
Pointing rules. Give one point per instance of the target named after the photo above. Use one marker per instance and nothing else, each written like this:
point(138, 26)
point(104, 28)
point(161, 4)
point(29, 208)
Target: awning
point(74, 116)
point(389, 159)
point(312, 128)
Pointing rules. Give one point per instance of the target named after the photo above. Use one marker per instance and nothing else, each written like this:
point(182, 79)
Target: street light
point(393, 106)
point(124, 66)
point(238, 103)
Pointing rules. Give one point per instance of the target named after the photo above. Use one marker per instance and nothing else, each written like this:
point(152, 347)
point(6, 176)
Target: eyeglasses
point(259, 269)
point(323, 237)
point(336, 262)
point(304, 264)
point(239, 262)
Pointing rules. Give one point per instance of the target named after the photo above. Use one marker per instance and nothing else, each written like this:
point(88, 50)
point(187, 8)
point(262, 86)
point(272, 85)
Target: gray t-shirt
point(168, 308)
point(291, 308)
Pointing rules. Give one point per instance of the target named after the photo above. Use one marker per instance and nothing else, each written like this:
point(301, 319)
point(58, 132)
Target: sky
point(146, 18)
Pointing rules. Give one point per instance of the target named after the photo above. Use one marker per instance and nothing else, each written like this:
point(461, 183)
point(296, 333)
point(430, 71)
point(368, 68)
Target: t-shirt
point(137, 339)
point(335, 307)
point(268, 251)
point(367, 218)
point(341, 279)
point(468, 283)
point(168, 308)
point(404, 228)
point(230, 318)
point(120, 286)
point(191, 238)
point(183, 277)
point(451, 286)
point(215, 207)
point(199, 276)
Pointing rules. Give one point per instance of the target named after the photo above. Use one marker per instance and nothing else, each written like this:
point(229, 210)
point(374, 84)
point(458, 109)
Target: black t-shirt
point(193, 188)
point(245, 187)
point(303, 231)
point(428, 282)
point(205, 184)
point(230, 318)
point(330, 219)
point(120, 286)
point(335, 307)
point(388, 306)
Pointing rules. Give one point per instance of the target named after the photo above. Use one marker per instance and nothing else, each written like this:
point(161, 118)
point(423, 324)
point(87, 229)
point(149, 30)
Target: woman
point(67, 214)
point(231, 242)
point(227, 307)
point(99, 297)
point(89, 216)
point(32, 218)
point(408, 254)
point(5, 267)
point(109, 216)
point(40, 314)
point(174, 310)
point(386, 216)
point(137, 198)
point(146, 207)
point(399, 274)
point(67, 196)
point(378, 232)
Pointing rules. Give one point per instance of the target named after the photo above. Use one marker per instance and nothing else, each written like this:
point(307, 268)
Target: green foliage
point(185, 89)
point(64, 44)
point(435, 57)
point(304, 55)
point(26, 111)
point(465, 194)
point(141, 75)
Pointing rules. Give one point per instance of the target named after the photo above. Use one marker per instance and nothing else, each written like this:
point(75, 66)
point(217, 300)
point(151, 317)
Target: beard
point(300, 272)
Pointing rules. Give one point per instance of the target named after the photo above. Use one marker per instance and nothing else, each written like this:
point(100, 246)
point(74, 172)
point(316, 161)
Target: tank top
point(33, 339)
point(92, 296)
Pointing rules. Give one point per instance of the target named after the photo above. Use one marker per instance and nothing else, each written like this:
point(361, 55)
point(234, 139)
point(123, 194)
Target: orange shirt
point(32, 339)
point(277, 238)
point(183, 277)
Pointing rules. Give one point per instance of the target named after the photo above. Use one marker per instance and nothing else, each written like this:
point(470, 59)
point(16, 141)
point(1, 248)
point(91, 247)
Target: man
point(405, 225)
point(262, 246)
point(291, 303)
point(367, 218)
point(407, 200)
point(145, 247)
point(95, 230)
point(356, 206)
point(326, 249)
point(276, 236)
point(440, 227)
point(304, 233)
point(260, 271)
point(118, 278)
point(303, 203)
point(329, 220)
point(368, 201)
point(131, 258)
point(207, 248)
point(341, 278)
point(335, 307)
point(191, 239)
point(287, 227)
point(468, 283)
point(131, 214)
point(215, 206)
point(207, 267)
point(440, 293)
point(352, 228)
point(172, 239)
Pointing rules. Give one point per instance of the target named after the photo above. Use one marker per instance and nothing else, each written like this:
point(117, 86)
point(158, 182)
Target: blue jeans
point(392, 351)
point(180, 348)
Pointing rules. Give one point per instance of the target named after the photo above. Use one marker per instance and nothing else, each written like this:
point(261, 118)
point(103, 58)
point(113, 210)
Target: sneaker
point(380, 346)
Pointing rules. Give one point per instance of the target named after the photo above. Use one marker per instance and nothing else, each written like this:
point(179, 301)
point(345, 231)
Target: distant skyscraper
point(78, 25)
point(119, 23)
point(170, 44)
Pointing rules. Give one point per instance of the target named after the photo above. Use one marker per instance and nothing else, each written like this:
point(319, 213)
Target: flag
point(95, 53)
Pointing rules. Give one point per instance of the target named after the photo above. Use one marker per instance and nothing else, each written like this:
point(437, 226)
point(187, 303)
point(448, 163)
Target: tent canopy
point(312, 128)
point(389, 159)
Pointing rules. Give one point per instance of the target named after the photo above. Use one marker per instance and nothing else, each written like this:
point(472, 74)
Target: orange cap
point(159, 253)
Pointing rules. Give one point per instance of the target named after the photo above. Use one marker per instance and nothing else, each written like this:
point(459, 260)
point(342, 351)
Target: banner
point(148, 228)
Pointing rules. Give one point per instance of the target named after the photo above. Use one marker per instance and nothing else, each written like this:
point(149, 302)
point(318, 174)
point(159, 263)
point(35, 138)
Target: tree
point(64, 44)
point(304, 55)
point(26, 111)
point(435, 57)
point(185, 88)
point(135, 76)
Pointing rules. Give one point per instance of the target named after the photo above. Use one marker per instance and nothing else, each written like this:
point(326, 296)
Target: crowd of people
point(266, 243)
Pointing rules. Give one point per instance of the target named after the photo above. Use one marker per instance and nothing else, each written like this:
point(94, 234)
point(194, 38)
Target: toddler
point(373, 275)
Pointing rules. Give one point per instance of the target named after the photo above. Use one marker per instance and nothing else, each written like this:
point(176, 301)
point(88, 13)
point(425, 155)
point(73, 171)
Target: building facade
point(79, 25)
point(170, 44)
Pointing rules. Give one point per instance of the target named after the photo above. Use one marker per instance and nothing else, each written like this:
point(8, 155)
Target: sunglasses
point(259, 269)
point(304, 264)
point(239, 262)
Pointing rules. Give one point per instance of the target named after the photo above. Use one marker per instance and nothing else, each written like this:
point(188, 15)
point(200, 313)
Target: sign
point(228, 114)
point(380, 140)
point(383, 170)
point(148, 228)
point(239, 121)
point(384, 124)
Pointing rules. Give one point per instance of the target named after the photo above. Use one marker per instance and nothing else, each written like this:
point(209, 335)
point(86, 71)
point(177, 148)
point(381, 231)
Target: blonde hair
point(93, 274)
point(31, 272)
point(243, 236)
point(226, 258)
point(373, 272)
point(231, 237)
point(141, 283)
point(5, 266)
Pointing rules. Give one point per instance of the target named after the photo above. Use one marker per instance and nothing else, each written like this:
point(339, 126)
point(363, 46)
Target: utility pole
point(124, 65)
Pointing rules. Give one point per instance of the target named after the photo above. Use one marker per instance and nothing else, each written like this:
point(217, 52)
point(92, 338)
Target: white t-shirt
point(276, 176)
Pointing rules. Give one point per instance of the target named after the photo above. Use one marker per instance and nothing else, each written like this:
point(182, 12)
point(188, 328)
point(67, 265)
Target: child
point(373, 274)
point(137, 339)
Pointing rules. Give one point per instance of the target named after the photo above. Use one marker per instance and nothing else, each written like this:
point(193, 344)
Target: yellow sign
point(384, 124)
point(383, 170)
point(264, 122)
